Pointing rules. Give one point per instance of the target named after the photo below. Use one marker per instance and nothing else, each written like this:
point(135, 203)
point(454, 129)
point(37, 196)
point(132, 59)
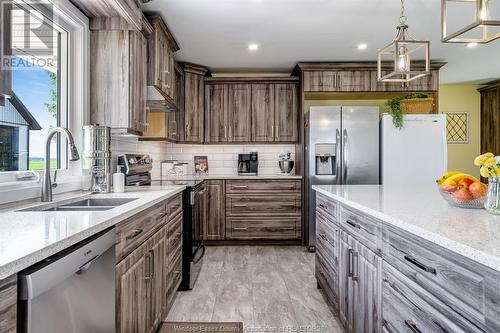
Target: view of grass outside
point(36, 163)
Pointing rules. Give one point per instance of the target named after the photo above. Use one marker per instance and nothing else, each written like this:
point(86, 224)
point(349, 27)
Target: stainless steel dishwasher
point(72, 291)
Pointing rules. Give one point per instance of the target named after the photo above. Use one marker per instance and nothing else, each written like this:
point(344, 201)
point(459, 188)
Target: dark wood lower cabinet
point(214, 226)
point(148, 277)
point(397, 282)
point(8, 304)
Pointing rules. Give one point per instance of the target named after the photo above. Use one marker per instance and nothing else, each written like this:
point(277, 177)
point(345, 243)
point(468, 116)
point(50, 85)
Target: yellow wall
point(463, 98)
point(452, 98)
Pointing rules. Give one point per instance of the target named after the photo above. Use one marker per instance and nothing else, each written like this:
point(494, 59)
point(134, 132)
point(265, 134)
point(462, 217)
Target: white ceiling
point(216, 33)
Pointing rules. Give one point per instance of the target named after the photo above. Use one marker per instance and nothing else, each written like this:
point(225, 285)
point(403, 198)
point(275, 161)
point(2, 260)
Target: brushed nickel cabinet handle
point(353, 224)
point(287, 228)
point(355, 268)
point(239, 205)
point(240, 186)
point(412, 326)
point(420, 265)
point(149, 274)
point(134, 234)
point(230, 135)
point(239, 228)
point(277, 132)
point(272, 132)
point(350, 264)
point(225, 132)
point(323, 236)
point(322, 206)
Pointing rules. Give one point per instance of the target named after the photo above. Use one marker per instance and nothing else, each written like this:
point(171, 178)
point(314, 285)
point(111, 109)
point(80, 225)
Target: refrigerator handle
point(344, 158)
point(338, 154)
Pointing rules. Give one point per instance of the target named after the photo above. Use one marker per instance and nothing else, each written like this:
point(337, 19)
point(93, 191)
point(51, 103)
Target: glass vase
point(492, 203)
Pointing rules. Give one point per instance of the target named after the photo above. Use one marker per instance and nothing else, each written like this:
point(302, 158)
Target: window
point(48, 42)
point(39, 52)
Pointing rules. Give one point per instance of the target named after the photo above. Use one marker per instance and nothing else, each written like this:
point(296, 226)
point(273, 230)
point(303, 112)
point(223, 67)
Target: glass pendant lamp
point(470, 21)
point(402, 54)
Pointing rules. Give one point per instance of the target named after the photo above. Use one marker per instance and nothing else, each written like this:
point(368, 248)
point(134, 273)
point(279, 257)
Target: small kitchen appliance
point(248, 164)
point(136, 168)
point(97, 156)
point(285, 163)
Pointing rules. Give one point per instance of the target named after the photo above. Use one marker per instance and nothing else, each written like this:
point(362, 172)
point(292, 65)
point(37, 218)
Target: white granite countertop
point(473, 233)
point(29, 237)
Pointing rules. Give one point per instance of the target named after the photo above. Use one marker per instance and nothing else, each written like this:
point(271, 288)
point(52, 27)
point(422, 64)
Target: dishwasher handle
point(49, 273)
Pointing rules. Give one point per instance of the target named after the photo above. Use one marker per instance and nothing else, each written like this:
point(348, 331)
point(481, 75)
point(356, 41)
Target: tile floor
point(268, 288)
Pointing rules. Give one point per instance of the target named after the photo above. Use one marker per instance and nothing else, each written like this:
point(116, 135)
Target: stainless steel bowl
point(286, 166)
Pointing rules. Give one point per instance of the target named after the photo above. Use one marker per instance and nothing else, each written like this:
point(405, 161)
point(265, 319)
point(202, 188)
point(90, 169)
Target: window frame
point(74, 90)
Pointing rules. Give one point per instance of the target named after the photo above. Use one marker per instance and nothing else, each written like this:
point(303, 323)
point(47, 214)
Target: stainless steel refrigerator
point(342, 147)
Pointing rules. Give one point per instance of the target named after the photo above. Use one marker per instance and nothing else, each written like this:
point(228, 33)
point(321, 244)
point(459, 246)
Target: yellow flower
point(482, 158)
point(484, 171)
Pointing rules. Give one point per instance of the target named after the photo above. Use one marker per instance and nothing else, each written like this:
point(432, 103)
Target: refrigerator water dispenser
point(326, 158)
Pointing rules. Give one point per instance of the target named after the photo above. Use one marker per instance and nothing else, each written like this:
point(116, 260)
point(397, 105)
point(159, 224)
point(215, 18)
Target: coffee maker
point(248, 164)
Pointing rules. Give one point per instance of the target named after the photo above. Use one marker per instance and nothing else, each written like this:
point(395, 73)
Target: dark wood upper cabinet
point(194, 101)
point(161, 63)
point(118, 80)
point(285, 113)
point(239, 112)
point(262, 112)
point(360, 77)
point(216, 113)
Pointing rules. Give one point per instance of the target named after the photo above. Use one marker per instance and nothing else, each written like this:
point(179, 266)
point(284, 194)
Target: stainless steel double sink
point(87, 205)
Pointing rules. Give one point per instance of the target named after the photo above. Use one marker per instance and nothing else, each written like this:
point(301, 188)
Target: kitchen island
point(399, 259)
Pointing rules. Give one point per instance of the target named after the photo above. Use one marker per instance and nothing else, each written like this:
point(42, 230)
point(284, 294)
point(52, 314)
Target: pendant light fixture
point(401, 55)
point(483, 24)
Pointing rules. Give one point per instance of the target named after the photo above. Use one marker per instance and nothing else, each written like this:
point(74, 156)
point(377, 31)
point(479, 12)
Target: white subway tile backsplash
point(222, 159)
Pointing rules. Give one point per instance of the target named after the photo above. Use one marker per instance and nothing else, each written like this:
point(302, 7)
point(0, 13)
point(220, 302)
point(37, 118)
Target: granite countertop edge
point(25, 261)
point(476, 255)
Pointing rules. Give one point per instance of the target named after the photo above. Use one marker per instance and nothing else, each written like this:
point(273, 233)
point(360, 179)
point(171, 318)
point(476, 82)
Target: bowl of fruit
point(462, 190)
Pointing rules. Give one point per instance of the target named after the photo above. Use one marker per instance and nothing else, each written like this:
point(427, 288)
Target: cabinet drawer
point(267, 186)
point(403, 310)
point(327, 206)
point(265, 205)
point(175, 236)
point(135, 230)
point(365, 229)
point(327, 279)
point(262, 228)
point(174, 206)
point(327, 240)
point(465, 286)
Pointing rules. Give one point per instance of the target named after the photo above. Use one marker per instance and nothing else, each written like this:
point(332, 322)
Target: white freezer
point(415, 155)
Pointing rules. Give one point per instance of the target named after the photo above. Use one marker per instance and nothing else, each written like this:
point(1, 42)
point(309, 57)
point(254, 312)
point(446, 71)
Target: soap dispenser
point(118, 180)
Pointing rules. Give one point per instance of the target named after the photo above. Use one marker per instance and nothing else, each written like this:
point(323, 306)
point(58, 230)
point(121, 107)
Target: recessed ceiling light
point(471, 44)
point(253, 47)
point(362, 46)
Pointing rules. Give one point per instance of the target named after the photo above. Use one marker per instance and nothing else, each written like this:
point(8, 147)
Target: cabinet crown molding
point(367, 65)
point(157, 20)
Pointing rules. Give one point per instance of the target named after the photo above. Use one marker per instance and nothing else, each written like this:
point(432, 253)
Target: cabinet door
point(427, 83)
point(8, 304)
point(351, 81)
point(216, 113)
point(137, 93)
point(239, 112)
point(366, 283)
point(344, 278)
point(285, 113)
point(193, 107)
point(133, 287)
point(159, 56)
point(262, 113)
point(214, 227)
point(159, 273)
point(319, 81)
point(385, 86)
